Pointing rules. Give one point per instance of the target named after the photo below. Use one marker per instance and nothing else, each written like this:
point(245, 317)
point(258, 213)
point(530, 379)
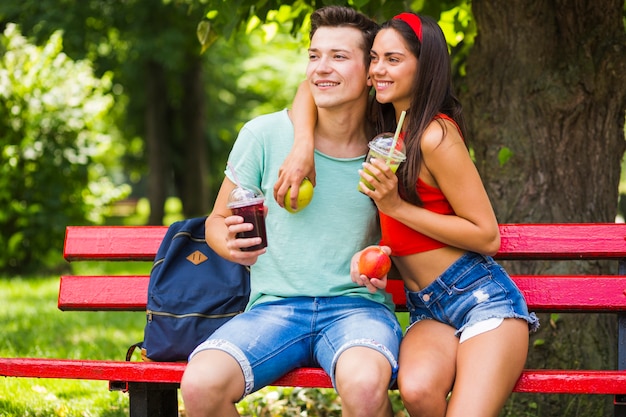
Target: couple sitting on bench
point(310, 305)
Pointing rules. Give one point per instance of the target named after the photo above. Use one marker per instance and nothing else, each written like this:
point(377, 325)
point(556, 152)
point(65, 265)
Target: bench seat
point(531, 381)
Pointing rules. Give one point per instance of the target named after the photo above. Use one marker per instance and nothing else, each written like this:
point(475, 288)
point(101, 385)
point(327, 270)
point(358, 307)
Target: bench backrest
point(519, 242)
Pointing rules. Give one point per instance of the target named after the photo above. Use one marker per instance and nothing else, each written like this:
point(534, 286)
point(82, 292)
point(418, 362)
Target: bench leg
point(153, 400)
point(620, 406)
point(620, 400)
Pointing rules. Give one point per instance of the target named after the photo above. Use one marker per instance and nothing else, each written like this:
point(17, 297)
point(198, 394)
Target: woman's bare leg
point(488, 366)
point(427, 368)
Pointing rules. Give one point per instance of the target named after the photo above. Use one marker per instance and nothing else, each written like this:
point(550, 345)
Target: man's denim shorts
point(473, 289)
point(275, 337)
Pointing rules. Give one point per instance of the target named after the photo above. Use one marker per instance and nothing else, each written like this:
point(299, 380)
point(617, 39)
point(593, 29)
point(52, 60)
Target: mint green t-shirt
point(308, 252)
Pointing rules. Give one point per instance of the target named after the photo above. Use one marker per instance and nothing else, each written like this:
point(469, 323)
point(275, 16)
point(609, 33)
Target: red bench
point(152, 386)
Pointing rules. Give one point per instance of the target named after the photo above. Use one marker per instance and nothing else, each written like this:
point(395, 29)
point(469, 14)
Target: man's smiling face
point(336, 71)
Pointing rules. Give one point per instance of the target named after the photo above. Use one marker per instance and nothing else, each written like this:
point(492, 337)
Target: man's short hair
point(340, 16)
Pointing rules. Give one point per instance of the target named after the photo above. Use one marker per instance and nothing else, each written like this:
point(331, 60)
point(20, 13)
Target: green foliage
point(306, 402)
point(504, 155)
point(228, 17)
point(459, 27)
point(56, 141)
point(250, 74)
point(290, 401)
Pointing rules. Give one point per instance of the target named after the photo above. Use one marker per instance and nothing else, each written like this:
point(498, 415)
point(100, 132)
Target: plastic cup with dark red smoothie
point(248, 203)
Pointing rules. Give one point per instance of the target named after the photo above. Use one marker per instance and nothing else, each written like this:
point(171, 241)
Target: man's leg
point(212, 383)
point(362, 378)
point(358, 346)
point(250, 351)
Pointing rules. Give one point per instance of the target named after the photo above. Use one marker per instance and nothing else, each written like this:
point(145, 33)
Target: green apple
point(305, 195)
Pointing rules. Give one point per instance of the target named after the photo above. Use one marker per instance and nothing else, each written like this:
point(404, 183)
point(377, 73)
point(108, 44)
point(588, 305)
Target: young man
point(304, 309)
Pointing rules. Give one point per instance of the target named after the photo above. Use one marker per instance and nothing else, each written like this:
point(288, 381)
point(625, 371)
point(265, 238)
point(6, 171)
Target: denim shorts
point(473, 289)
point(273, 338)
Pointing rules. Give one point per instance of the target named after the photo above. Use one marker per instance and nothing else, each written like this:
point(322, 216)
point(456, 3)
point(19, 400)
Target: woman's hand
point(300, 162)
point(383, 179)
point(298, 165)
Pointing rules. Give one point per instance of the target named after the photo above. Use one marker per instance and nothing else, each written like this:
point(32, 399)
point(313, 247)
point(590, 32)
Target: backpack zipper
point(151, 313)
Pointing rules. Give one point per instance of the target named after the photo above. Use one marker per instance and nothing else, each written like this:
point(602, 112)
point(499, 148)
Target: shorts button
point(426, 297)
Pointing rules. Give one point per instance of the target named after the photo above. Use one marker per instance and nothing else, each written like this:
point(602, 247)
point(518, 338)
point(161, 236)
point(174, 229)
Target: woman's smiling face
point(393, 69)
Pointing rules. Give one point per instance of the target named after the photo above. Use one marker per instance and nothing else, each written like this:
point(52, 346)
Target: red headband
point(412, 20)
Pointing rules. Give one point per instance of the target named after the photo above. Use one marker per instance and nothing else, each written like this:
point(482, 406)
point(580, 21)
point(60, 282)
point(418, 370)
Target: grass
point(31, 325)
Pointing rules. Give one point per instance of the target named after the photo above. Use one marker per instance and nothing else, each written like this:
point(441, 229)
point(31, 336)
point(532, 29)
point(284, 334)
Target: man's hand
point(235, 224)
point(372, 284)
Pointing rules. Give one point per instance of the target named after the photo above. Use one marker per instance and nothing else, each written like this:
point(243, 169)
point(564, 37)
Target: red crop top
point(406, 241)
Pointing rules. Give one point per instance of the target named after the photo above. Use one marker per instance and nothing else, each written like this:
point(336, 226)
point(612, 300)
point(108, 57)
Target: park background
point(123, 112)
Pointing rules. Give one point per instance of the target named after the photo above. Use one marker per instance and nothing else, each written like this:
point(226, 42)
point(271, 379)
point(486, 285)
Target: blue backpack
point(192, 291)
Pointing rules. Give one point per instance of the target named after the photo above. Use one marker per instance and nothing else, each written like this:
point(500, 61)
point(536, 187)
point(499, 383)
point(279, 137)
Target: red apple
point(374, 262)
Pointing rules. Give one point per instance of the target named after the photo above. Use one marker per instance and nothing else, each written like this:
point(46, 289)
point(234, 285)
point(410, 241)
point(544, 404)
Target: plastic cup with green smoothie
point(380, 149)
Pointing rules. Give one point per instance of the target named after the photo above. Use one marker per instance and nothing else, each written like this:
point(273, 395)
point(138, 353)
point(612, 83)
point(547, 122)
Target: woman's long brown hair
point(432, 94)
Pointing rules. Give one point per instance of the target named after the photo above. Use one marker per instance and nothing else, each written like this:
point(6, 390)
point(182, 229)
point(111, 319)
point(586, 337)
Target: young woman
point(468, 339)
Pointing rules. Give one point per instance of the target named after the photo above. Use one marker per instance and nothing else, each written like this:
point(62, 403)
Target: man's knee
point(212, 376)
point(364, 374)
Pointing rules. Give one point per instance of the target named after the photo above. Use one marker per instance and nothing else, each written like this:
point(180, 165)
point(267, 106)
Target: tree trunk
point(157, 132)
point(191, 174)
point(545, 103)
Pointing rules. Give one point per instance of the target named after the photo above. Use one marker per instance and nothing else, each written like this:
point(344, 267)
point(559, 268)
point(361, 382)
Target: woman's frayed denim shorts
point(473, 289)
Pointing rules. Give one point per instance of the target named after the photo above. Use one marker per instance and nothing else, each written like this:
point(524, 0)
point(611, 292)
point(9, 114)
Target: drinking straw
point(395, 137)
point(232, 171)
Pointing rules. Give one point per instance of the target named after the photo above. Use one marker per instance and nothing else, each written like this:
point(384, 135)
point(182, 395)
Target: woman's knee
point(416, 388)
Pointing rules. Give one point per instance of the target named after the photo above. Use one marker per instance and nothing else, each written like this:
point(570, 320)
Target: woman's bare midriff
point(420, 269)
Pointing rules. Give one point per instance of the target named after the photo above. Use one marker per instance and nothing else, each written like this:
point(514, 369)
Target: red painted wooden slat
point(598, 293)
point(543, 293)
point(563, 241)
point(305, 377)
point(112, 242)
point(538, 241)
point(531, 381)
point(103, 293)
point(571, 382)
point(166, 372)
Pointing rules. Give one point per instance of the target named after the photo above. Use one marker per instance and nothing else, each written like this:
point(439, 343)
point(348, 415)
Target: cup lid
point(382, 144)
point(240, 196)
